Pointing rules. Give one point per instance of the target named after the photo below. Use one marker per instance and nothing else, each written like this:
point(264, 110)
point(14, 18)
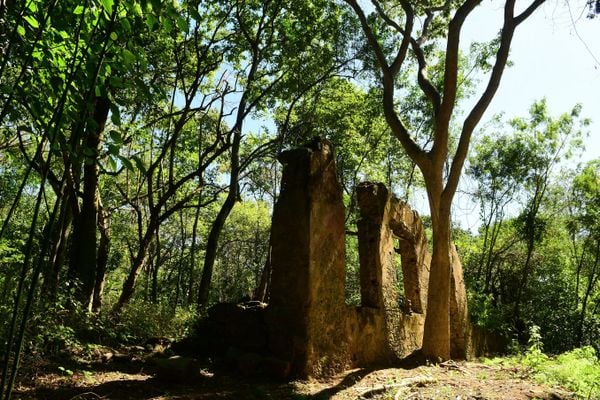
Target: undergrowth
point(577, 370)
point(58, 328)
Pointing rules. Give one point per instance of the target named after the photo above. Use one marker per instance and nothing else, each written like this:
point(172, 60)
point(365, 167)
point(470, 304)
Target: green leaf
point(128, 57)
point(113, 36)
point(115, 115)
point(127, 163)
point(116, 82)
point(126, 25)
point(78, 10)
point(113, 163)
point(139, 164)
point(137, 9)
point(21, 30)
point(182, 24)
point(115, 136)
point(151, 21)
point(113, 149)
point(167, 24)
point(108, 5)
point(32, 21)
point(195, 14)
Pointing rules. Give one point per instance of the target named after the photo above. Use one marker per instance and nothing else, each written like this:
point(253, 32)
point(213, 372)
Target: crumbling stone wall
point(309, 324)
point(397, 331)
point(306, 329)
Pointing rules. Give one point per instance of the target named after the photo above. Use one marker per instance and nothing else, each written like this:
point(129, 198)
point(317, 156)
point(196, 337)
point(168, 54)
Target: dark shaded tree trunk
point(83, 248)
point(58, 252)
point(262, 291)
point(138, 263)
point(592, 280)
point(212, 244)
point(102, 259)
point(192, 264)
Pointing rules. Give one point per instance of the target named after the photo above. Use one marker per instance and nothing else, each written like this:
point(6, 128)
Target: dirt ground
point(133, 377)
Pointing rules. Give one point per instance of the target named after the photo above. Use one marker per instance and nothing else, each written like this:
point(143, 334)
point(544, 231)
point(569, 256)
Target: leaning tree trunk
point(217, 226)
point(261, 292)
point(138, 263)
point(58, 253)
point(212, 244)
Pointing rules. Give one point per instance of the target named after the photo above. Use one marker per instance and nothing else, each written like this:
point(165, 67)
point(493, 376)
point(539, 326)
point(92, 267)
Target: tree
point(385, 35)
point(279, 51)
point(544, 142)
point(584, 229)
point(498, 170)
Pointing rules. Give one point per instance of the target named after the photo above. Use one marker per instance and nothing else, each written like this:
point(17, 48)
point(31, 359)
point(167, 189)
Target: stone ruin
point(307, 329)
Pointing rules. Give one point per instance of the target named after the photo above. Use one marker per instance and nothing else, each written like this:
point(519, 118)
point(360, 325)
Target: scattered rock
point(176, 369)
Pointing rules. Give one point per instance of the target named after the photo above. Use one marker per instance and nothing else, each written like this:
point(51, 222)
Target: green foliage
point(577, 370)
point(140, 320)
point(242, 252)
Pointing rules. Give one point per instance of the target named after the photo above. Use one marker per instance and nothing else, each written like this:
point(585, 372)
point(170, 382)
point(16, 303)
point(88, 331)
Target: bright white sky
point(556, 54)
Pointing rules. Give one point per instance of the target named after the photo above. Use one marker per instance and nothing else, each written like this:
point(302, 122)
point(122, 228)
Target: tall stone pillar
point(414, 253)
point(306, 309)
point(376, 247)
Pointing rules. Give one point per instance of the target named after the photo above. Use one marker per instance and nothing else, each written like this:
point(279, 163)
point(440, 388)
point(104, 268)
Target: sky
point(555, 54)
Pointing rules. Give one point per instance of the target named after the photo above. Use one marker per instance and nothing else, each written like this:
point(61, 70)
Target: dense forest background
point(138, 170)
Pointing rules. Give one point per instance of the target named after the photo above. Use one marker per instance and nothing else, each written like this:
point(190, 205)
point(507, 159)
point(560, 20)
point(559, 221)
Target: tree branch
point(510, 23)
point(370, 36)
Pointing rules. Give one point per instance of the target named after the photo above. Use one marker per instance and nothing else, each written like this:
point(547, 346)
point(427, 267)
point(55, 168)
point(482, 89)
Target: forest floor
point(129, 375)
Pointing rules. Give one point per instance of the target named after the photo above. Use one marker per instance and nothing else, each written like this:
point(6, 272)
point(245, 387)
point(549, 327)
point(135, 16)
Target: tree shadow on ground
point(136, 379)
point(349, 380)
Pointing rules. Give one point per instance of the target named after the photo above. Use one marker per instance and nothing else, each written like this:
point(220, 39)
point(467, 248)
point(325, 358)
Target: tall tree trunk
point(436, 336)
point(83, 250)
point(593, 278)
point(102, 259)
point(58, 252)
point(192, 264)
point(261, 292)
point(212, 242)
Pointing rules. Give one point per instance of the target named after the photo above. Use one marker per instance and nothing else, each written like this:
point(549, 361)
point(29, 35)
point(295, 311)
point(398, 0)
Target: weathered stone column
point(414, 253)
point(376, 247)
point(306, 308)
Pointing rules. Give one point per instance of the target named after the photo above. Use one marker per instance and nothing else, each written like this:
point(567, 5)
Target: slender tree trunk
point(138, 263)
point(102, 259)
point(192, 264)
point(58, 252)
point(489, 263)
point(590, 287)
point(261, 292)
point(212, 244)
point(232, 196)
